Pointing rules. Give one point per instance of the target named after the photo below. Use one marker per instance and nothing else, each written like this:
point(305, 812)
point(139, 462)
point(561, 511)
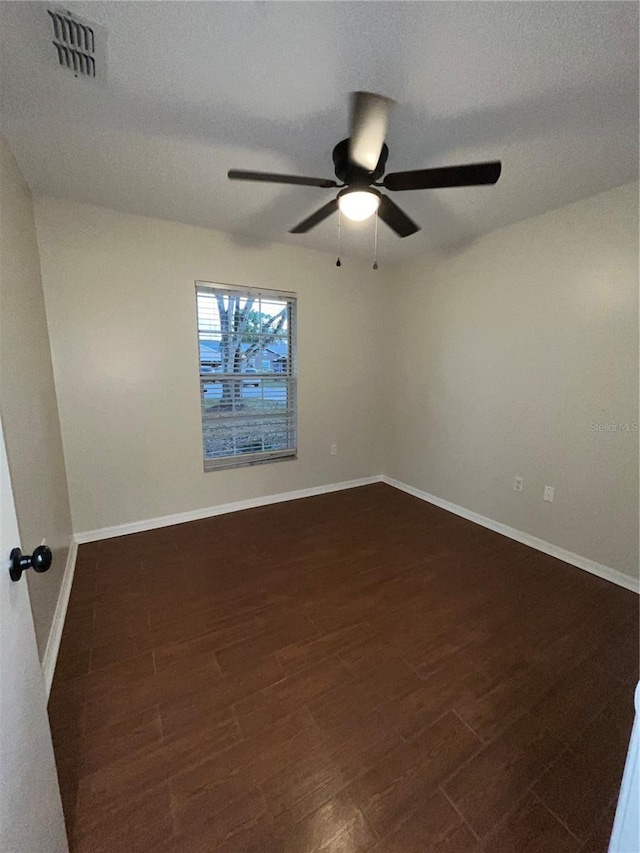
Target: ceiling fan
point(359, 163)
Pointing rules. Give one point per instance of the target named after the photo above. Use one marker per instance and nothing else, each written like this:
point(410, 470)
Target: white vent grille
point(75, 43)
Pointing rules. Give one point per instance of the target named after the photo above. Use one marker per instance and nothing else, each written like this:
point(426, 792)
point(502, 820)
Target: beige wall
point(121, 307)
point(508, 350)
point(27, 397)
point(494, 361)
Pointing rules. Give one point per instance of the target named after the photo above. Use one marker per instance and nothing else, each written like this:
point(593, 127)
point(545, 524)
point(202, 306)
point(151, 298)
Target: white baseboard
point(588, 565)
point(55, 633)
point(220, 509)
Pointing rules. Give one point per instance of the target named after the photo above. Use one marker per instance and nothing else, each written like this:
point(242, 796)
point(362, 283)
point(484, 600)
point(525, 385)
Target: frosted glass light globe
point(358, 204)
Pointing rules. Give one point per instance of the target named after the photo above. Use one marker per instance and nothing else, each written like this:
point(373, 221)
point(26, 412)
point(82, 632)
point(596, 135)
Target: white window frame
point(289, 416)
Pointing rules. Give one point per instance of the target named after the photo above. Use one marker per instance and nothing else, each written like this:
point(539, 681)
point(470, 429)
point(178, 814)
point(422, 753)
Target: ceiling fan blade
point(368, 128)
point(316, 218)
point(450, 176)
point(271, 177)
point(395, 218)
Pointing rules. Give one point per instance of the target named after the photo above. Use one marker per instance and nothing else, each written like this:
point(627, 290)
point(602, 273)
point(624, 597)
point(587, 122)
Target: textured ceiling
point(193, 89)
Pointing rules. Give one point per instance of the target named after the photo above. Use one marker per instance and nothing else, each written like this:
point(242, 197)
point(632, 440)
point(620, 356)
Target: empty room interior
point(319, 404)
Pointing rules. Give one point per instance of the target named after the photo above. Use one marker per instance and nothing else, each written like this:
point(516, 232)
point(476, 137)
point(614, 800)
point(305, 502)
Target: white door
point(31, 818)
point(625, 837)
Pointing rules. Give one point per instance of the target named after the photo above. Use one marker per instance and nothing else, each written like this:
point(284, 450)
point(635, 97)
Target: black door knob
point(39, 561)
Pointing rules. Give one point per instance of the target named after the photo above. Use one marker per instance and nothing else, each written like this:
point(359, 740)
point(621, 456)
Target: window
point(248, 414)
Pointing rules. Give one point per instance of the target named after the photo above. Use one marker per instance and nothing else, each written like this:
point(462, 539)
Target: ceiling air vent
point(75, 43)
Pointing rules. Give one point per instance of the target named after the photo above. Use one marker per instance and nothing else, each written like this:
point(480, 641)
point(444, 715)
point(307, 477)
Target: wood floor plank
point(531, 828)
point(492, 782)
point(433, 827)
point(577, 787)
point(138, 824)
point(338, 825)
point(407, 774)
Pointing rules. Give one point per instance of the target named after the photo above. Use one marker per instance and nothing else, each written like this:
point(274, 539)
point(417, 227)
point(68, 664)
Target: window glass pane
point(239, 436)
point(247, 379)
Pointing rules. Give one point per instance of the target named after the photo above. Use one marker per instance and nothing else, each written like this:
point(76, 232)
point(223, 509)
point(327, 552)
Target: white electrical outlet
point(334, 449)
point(518, 484)
point(549, 492)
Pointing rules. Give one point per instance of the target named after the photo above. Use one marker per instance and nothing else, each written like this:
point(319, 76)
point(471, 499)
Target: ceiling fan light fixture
point(358, 204)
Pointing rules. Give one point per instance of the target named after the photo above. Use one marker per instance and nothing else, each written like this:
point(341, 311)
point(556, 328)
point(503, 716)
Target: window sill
point(227, 463)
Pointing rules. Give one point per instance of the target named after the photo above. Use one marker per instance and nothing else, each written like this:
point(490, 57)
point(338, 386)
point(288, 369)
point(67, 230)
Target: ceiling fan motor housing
point(349, 173)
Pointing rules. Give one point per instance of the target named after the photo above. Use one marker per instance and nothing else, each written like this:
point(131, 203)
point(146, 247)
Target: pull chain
point(375, 244)
point(338, 264)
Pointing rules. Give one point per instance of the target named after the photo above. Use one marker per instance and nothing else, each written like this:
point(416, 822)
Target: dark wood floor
point(353, 672)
